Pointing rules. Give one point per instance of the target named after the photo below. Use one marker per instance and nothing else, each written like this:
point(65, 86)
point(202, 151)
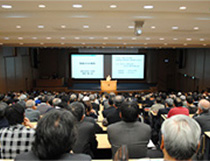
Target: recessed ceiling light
point(175, 28)
point(77, 5)
point(6, 6)
point(185, 44)
point(41, 43)
point(188, 39)
point(20, 38)
point(113, 6)
point(63, 26)
point(85, 26)
point(42, 6)
point(91, 38)
point(40, 26)
point(21, 43)
point(175, 38)
point(133, 38)
point(106, 38)
point(62, 38)
point(77, 38)
point(204, 44)
point(124, 43)
point(196, 28)
point(131, 27)
point(48, 38)
point(119, 38)
point(6, 38)
point(202, 39)
point(148, 7)
point(183, 8)
point(34, 38)
point(161, 38)
point(148, 38)
point(153, 27)
point(62, 43)
point(108, 26)
point(83, 43)
point(165, 44)
point(18, 26)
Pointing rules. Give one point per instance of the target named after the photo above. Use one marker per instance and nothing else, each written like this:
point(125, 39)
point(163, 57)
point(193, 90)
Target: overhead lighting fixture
point(202, 39)
point(119, 38)
point(21, 43)
point(113, 6)
point(124, 43)
point(145, 43)
point(85, 26)
point(196, 28)
point(91, 38)
point(41, 43)
point(133, 38)
point(20, 38)
point(148, 7)
point(77, 6)
point(6, 38)
point(77, 38)
point(106, 38)
point(131, 27)
point(204, 44)
point(40, 26)
point(63, 26)
point(138, 27)
point(6, 6)
point(161, 39)
point(185, 44)
point(18, 26)
point(148, 38)
point(42, 6)
point(183, 8)
point(153, 27)
point(48, 38)
point(108, 26)
point(175, 39)
point(165, 44)
point(175, 28)
point(188, 39)
point(34, 38)
point(62, 43)
point(62, 38)
point(83, 43)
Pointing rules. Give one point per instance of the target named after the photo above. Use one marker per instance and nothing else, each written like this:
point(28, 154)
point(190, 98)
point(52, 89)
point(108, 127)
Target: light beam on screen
point(128, 66)
point(87, 66)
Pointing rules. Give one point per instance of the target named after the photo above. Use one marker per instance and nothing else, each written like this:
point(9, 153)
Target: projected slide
point(87, 66)
point(128, 66)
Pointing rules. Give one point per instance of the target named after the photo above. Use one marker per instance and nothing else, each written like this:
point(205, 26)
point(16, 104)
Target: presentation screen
point(88, 66)
point(128, 66)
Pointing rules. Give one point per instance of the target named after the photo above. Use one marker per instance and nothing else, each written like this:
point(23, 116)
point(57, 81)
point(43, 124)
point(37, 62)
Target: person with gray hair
point(202, 115)
point(56, 102)
point(180, 138)
point(31, 113)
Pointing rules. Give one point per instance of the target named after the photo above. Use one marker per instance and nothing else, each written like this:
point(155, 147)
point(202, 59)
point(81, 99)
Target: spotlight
point(138, 27)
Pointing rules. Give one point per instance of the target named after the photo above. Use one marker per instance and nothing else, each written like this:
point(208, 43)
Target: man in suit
point(86, 141)
point(31, 113)
point(202, 115)
point(44, 106)
point(180, 138)
point(114, 115)
point(129, 131)
point(110, 109)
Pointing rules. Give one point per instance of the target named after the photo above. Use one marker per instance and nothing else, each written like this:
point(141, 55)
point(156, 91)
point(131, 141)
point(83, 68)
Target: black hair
point(15, 114)
point(77, 109)
point(178, 102)
point(129, 110)
point(2, 110)
point(189, 99)
point(55, 135)
point(111, 101)
point(158, 100)
point(118, 100)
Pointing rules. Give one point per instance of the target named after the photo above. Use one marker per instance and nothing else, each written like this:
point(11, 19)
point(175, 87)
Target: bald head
point(204, 105)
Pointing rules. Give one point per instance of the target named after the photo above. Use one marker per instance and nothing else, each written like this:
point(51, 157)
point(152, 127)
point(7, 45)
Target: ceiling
point(96, 24)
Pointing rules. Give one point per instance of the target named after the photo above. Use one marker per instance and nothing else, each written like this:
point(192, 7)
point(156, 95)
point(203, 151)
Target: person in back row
point(129, 131)
point(31, 113)
point(180, 138)
point(54, 138)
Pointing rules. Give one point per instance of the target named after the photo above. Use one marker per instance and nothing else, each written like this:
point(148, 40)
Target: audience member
point(31, 113)
point(95, 106)
point(169, 103)
point(3, 120)
point(54, 139)
point(202, 115)
point(190, 105)
point(56, 102)
point(129, 131)
point(16, 138)
point(44, 106)
point(157, 106)
point(86, 141)
point(110, 109)
point(180, 138)
point(178, 109)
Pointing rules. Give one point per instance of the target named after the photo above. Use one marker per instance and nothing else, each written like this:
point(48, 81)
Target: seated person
point(157, 106)
point(3, 120)
point(129, 131)
point(17, 138)
point(54, 138)
point(30, 112)
point(180, 138)
point(86, 141)
point(110, 109)
point(190, 105)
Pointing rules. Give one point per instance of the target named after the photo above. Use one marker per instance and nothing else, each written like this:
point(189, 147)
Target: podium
point(108, 86)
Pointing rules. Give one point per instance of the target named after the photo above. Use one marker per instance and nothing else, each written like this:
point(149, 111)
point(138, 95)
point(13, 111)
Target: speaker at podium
point(108, 85)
